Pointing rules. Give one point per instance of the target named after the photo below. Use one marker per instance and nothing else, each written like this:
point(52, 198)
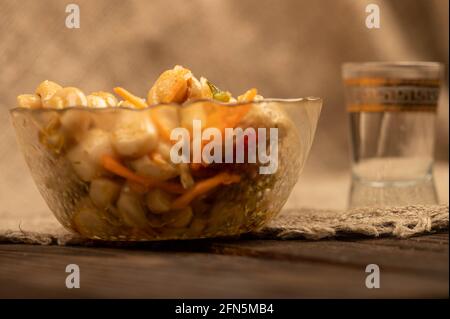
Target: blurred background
point(287, 48)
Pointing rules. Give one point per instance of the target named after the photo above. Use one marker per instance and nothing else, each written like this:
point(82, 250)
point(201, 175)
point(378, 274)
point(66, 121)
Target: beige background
point(286, 48)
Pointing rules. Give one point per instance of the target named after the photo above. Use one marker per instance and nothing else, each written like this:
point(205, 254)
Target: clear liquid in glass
point(392, 158)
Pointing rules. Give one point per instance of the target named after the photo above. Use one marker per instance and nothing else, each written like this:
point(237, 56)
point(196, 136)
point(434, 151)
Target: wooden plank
point(431, 244)
point(403, 254)
point(265, 269)
point(350, 254)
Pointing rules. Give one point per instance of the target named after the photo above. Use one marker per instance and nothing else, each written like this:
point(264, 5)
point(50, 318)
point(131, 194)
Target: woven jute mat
point(400, 222)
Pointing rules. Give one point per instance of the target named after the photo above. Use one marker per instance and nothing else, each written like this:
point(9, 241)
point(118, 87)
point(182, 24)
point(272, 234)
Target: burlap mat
point(400, 222)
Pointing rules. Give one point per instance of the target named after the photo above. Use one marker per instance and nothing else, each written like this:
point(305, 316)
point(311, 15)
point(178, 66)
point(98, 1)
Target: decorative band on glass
point(392, 95)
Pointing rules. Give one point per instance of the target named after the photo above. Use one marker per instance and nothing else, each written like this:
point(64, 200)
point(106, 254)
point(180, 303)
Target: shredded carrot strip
point(221, 117)
point(137, 188)
point(162, 130)
point(203, 187)
point(128, 96)
point(169, 187)
point(112, 165)
point(227, 117)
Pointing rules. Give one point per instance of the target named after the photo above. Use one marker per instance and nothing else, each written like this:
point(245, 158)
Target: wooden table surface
point(415, 267)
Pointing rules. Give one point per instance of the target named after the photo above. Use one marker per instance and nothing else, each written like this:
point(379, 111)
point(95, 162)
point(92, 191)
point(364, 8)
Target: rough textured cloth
point(401, 222)
point(309, 224)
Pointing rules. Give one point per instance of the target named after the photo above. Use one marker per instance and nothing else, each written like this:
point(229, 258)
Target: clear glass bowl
point(64, 151)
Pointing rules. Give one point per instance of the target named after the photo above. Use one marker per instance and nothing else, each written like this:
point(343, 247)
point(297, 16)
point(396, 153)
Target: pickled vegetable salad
point(177, 85)
point(128, 168)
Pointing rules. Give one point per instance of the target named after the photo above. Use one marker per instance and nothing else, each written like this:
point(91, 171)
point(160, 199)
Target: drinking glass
point(392, 113)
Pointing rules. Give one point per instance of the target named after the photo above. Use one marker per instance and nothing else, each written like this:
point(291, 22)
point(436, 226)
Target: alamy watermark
point(73, 17)
point(373, 17)
point(233, 145)
point(73, 279)
point(373, 279)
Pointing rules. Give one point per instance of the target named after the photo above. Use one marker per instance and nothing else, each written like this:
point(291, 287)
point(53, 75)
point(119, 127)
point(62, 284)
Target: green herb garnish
point(218, 94)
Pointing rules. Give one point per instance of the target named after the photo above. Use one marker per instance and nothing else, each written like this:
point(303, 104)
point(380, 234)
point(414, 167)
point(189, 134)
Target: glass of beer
point(392, 113)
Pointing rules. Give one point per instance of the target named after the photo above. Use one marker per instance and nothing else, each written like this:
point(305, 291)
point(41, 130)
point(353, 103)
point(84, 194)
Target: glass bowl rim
point(111, 108)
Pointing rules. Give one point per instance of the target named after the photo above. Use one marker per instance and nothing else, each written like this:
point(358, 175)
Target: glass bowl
point(114, 173)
